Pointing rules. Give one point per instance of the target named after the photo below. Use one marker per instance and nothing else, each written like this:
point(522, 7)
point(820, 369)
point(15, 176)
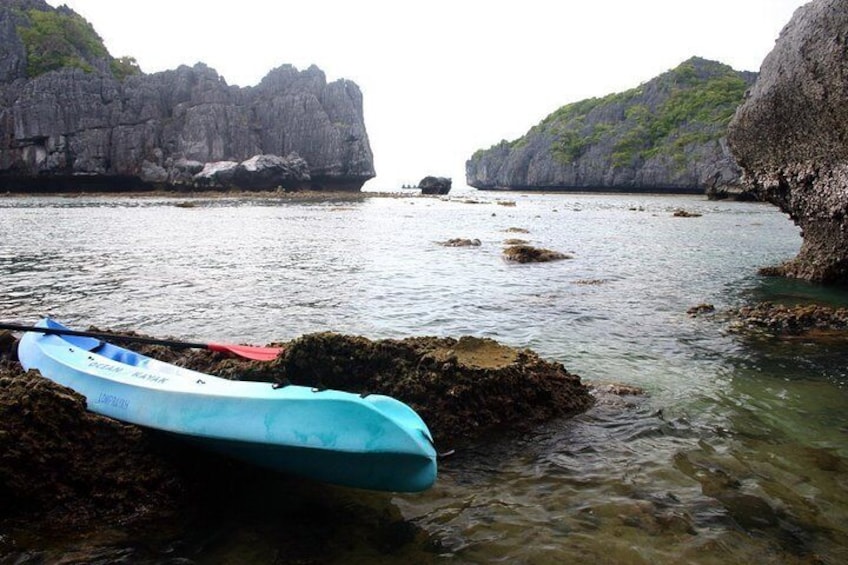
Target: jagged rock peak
point(103, 124)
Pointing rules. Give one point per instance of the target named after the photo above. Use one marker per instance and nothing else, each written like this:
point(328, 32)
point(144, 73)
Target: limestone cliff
point(73, 117)
point(665, 135)
point(790, 136)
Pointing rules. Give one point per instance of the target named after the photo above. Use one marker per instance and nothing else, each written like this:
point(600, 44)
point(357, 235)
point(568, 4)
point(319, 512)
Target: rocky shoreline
point(212, 194)
point(64, 468)
point(306, 194)
point(65, 471)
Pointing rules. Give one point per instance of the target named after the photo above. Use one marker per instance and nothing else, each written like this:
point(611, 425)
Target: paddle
point(247, 351)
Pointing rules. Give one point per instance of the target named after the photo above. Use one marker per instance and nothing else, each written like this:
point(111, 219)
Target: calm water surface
point(737, 454)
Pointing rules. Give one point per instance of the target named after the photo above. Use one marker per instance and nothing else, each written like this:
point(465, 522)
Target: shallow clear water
point(737, 454)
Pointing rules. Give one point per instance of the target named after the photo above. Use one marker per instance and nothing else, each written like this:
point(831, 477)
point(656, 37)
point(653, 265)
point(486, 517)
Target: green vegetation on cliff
point(61, 38)
point(122, 67)
point(692, 103)
point(666, 134)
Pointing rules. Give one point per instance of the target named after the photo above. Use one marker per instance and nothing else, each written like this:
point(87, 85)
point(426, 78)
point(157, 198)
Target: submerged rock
point(806, 320)
point(680, 213)
point(530, 254)
point(461, 242)
point(700, 309)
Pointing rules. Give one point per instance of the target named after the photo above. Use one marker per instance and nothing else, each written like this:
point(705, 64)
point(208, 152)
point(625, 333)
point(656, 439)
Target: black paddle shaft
point(106, 336)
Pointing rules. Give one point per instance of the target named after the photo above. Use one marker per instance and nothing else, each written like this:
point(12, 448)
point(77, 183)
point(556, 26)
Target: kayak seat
point(106, 349)
point(85, 343)
point(126, 356)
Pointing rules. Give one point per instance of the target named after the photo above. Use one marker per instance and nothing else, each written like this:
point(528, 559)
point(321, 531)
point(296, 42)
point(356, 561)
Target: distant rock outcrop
point(790, 136)
point(667, 135)
point(435, 185)
point(73, 120)
point(522, 253)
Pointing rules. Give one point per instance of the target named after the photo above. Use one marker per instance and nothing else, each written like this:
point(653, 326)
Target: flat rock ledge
point(65, 467)
point(813, 321)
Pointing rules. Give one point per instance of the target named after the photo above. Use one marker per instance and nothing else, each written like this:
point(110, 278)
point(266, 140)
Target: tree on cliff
point(61, 38)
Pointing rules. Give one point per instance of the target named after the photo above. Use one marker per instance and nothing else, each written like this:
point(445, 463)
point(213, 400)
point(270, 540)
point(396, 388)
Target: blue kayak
point(372, 442)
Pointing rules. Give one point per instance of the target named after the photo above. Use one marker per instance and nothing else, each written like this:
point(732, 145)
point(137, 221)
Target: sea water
point(737, 453)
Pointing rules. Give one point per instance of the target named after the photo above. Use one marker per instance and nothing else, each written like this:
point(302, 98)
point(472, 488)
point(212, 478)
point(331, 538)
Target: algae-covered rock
point(70, 466)
point(528, 254)
point(461, 242)
point(64, 465)
point(462, 388)
point(780, 320)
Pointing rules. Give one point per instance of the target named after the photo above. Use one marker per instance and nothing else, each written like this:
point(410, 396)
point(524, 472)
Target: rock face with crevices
point(85, 126)
point(791, 136)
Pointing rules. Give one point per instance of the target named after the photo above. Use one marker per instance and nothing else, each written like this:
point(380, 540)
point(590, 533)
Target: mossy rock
point(462, 388)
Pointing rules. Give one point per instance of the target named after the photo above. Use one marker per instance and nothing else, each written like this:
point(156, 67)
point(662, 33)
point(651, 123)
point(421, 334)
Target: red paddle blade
point(247, 351)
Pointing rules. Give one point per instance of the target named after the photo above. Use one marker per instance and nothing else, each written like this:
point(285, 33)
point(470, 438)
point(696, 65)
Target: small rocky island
point(435, 185)
point(790, 137)
point(666, 135)
point(73, 117)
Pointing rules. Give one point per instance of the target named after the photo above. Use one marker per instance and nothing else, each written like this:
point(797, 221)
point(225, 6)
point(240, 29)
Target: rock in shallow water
point(806, 320)
point(789, 136)
point(462, 388)
point(63, 464)
point(529, 254)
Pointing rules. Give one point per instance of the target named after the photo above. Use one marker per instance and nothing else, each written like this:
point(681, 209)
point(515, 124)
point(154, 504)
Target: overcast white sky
point(443, 78)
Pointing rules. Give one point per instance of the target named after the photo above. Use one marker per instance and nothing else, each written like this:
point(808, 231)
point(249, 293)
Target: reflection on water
point(737, 454)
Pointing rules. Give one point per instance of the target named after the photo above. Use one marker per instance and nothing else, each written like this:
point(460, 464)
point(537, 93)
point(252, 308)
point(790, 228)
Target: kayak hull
point(373, 442)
